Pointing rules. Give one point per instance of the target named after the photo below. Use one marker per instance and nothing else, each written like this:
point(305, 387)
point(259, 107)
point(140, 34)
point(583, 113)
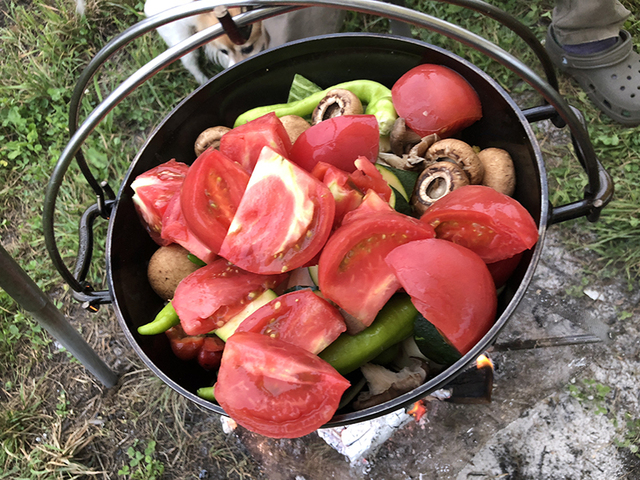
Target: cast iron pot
point(265, 79)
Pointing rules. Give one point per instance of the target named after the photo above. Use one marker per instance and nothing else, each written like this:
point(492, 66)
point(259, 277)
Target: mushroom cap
point(461, 153)
point(294, 125)
point(435, 182)
point(209, 138)
point(337, 102)
point(499, 171)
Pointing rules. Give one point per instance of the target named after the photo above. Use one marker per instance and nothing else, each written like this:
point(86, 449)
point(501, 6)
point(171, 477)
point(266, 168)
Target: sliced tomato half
point(175, 230)
point(152, 192)
point(210, 196)
point(210, 296)
point(276, 389)
point(493, 225)
point(450, 286)
point(352, 271)
point(301, 318)
point(283, 220)
point(244, 143)
point(338, 141)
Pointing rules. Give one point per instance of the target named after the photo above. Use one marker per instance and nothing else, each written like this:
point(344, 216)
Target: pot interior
point(265, 79)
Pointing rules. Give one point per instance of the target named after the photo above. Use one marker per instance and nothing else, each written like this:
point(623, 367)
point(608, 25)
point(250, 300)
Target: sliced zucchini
point(393, 180)
point(313, 273)
point(432, 344)
point(230, 327)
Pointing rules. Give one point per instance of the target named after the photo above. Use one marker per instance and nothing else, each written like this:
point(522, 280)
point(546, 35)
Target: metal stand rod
point(15, 281)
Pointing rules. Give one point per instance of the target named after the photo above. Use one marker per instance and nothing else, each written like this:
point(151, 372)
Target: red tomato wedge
point(450, 286)
point(175, 230)
point(352, 271)
point(435, 99)
point(152, 192)
point(210, 355)
point(210, 196)
point(338, 141)
point(371, 203)
point(502, 270)
point(283, 220)
point(210, 296)
point(367, 177)
point(244, 143)
point(301, 318)
point(185, 347)
point(346, 194)
point(493, 225)
point(276, 389)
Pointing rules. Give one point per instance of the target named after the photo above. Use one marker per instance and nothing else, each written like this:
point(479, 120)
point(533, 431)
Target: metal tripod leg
point(28, 295)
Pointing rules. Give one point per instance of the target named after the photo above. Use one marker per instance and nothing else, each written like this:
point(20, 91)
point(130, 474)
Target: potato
point(167, 267)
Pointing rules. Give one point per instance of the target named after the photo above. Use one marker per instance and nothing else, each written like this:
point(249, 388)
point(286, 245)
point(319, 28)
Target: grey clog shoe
point(611, 78)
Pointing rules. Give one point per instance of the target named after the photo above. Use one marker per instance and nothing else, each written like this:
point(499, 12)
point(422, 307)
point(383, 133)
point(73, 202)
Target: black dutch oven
point(265, 79)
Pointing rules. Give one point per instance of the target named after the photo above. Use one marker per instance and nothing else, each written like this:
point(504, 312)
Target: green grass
point(44, 48)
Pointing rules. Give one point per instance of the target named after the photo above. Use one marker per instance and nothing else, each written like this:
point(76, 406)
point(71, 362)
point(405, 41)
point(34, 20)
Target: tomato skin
point(175, 230)
point(493, 225)
point(301, 318)
point(338, 141)
point(185, 347)
point(435, 99)
point(153, 190)
point(210, 196)
point(450, 286)
point(210, 296)
point(367, 177)
point(346, 194)
point(371, 204)
point(276, 389)
point(352, 271)
point(283, 220)
point(244, 143)
point(502, 270)
point(210, 354)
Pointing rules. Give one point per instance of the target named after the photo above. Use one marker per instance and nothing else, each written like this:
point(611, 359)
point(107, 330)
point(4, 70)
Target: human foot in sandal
point(608, 71)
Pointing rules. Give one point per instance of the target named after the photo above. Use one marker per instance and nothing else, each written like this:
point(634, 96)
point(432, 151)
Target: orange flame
point(484, 361)
point(418, 410)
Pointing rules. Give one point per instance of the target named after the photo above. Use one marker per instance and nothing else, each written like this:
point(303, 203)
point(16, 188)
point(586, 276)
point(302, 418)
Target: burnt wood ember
point(474, 385)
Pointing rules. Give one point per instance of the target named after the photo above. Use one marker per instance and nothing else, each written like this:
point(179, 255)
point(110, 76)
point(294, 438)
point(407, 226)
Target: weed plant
point(44, 47)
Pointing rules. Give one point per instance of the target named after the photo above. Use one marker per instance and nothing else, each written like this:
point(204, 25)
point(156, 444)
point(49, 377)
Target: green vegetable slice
point(225, 331)
point(393, 324)
point(301, 87)
point(432, 344)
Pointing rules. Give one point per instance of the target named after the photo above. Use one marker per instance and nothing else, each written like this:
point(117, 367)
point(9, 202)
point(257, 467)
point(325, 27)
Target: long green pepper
point(393, 324)
point(376, 96)
point(166, 318)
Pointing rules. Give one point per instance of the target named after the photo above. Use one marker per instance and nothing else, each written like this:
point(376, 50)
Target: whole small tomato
point(435, 99)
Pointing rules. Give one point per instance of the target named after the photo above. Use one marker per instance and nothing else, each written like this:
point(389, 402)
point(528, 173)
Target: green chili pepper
point(393, 324)
point(376, 96)
point(208, 393)
point(166, 319)
point(193, 259)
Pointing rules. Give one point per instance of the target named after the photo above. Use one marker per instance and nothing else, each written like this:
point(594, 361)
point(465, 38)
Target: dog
point(270, 33)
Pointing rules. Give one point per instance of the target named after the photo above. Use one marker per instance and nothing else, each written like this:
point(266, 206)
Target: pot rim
point(451, 372)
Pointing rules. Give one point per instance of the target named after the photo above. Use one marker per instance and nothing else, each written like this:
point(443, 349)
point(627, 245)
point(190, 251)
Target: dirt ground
point(536, 427)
